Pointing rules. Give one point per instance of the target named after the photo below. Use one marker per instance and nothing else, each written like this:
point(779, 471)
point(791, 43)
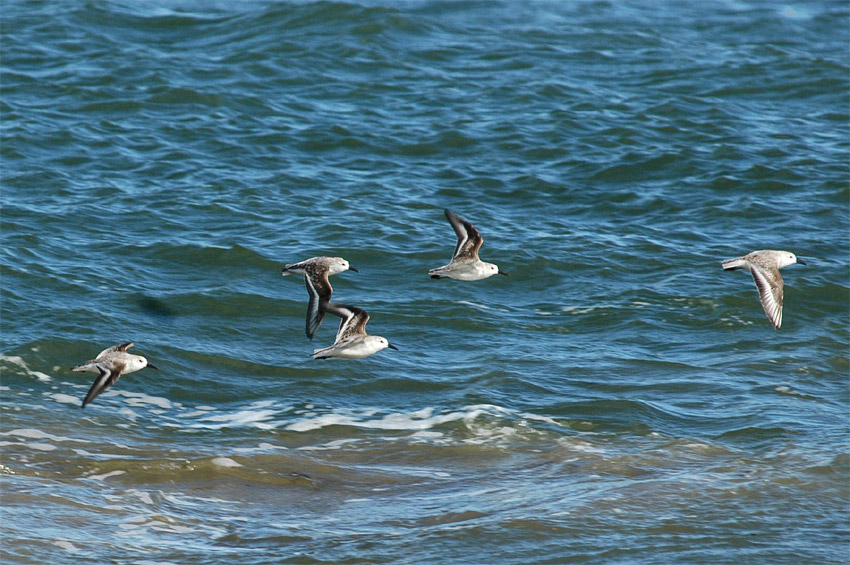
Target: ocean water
point(618, 398)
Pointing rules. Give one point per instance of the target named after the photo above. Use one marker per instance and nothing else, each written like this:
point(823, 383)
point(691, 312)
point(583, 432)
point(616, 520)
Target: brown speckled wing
point(469, 241)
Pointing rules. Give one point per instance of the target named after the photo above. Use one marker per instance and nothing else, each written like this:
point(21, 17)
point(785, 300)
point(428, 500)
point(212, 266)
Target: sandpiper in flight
point(111, 363)
point(465, 264)
point(316, 272)
point(764, 265)
point(352, 341)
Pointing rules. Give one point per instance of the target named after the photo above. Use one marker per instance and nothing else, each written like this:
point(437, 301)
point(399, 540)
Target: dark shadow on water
point(155, 307)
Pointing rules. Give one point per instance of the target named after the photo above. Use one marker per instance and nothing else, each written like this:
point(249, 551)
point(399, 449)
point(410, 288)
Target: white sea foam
point(481, 306)
point(225, 462)
point(107, 475)
point(484, 423)
point(782, 389)
point(269, 446)
point(587, 310)
point(321, 422)
point(64, 398)
point(419, 420)
point(66, 545)
point(140, 399)
point(179, 500)
point(143, 496)
point(574, 444)
point(139, 526)
point(331, 445)
point(262, 404)
point(538, 418)
point(19, 361)
point(424, 420)
point(256, 418)
point(31, 433)
point(30, 445)
point(260, 448)
point(133, 415)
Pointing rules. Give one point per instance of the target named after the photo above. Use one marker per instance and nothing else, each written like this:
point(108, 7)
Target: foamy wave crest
point(481, 422)
point(19, 362)
point(260, 415)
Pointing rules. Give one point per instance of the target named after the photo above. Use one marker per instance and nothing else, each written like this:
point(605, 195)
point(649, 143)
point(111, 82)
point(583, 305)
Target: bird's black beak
point(800, 261)
point(350, 268)
point(153, 366)
point(502, 273)
point(391, 346)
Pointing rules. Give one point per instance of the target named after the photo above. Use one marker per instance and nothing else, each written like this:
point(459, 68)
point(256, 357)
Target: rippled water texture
point(618, 398)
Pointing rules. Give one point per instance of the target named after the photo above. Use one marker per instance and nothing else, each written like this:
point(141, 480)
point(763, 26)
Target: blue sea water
point(618, 398)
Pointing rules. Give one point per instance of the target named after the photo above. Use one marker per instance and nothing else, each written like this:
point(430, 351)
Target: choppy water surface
point(618, 398)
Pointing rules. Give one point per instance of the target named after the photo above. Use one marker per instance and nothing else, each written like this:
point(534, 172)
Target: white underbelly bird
point(764, 265)
point(465, 264)
point(316, 271)
point(352, 341)
point(111, 364)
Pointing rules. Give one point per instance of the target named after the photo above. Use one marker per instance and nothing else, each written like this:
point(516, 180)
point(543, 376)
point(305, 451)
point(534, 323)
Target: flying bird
point(316, 271)
point(764, 265)
point(465, 264)
point(352, 341)
point(111, 363)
